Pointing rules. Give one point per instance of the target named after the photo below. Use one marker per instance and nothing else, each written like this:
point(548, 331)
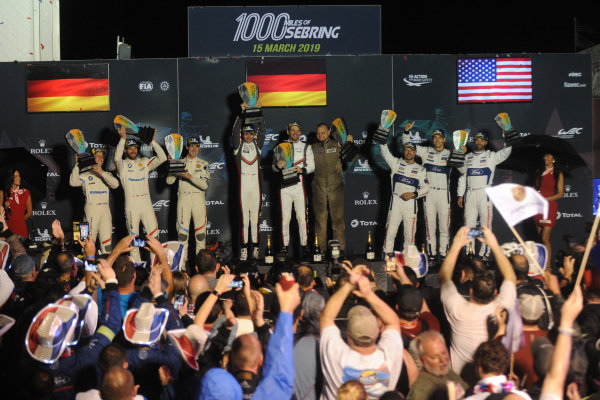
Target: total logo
point(265, 227)
point(356, 223)
point(210, 230)
point(560, 215)
point(569, 193)
point(207, 143)
point(163, 231)
point(218, 165)
point(160, 204)
point(265, 203)
point(44, 211)
point(55, 174)
point(164, 86)
point(42, 149)
point(146, 148)
point(214, 203)
point(365, 201)
point(417, 80)
point(362, 166)
point(42, 236)
point(145, 86)
point(570, 134)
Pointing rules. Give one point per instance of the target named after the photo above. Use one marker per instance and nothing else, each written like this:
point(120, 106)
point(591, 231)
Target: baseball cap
point(362, 326)
point(99, 149)
point(409, 300)
point(131, 143)
point(481, 135)
point(23, 265)
point(193, 140)
point(438, 132)
point(531, 305)
point(249, 129)
point(410, 145)
point(291, 124)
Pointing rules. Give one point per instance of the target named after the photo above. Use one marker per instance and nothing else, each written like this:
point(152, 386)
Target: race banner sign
point(284, 30)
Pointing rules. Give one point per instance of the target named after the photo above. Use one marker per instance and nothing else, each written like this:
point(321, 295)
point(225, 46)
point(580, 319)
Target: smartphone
point(84, 231)
point(474, 233)
point(138, 242)
point(236, 283)
point(90, 267)
point(76, 232)
point(179, 300)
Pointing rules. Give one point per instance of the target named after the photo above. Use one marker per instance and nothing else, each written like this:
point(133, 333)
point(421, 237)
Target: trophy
point(511, 136)
point(348, 152)
point(174, 143)
point(85, 159)
point(145, 133)
point(285, 152)
point(457, 156)
point(387, 120)
point(249, 93)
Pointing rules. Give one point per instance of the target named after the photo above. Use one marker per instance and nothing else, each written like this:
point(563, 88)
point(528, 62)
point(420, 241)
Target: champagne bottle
point(317, 254)
point(423, 248)
point(470, 252)
point(269, 252)
point(370, 256)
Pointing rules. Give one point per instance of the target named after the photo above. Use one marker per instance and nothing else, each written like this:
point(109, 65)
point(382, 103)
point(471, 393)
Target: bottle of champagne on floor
point(269, 252)
point(317, 254)
point(370, 251)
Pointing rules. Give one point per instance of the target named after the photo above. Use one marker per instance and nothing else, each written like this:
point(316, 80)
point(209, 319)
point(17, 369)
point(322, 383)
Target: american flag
point(494, 80)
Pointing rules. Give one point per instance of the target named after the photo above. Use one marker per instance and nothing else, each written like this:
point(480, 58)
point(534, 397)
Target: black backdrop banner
point(199, 97)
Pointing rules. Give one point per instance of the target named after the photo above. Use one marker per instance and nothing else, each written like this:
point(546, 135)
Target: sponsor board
point(417, 80)
point(44, 210)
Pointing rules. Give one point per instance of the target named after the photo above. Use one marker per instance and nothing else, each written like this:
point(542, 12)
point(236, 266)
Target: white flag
point(517, 202)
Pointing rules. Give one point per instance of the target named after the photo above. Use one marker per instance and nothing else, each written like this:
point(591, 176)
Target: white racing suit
point(437, 201)
point(97, 209)
point(248, 159)
point(191, 203)
point(476, 175)
point(405, 178)
point(134, 179)
point(296, 194)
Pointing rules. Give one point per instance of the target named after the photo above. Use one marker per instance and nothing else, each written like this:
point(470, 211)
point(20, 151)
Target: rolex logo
point(365, 195)
point(43, 204)
point(42, 143)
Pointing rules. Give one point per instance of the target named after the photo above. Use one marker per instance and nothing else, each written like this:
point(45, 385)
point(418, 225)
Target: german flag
point(289, 83)
point(67, 87)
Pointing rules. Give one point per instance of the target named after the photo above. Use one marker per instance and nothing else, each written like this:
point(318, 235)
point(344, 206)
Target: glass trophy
point(174, 144)
point(76, 140)
point(457, 156)
point(285, 152)
point(383, 131)
point(348, 152)
point(248, 91)
point(511, 136)
point(144, 133)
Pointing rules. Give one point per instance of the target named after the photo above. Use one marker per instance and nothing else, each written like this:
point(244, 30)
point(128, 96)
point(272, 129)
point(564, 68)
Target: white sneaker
point(244, 254)
point(256, 252)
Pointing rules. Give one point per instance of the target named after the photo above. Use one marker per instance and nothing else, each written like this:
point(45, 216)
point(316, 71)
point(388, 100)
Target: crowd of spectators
point(83, 325)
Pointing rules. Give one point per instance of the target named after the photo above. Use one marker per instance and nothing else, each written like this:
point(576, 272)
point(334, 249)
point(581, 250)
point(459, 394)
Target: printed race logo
point(362, 165)
point(42, 236)
point(574, 84)
point(265, 227)
point(254, 26)
point(356, 223)
point(569, 192)
point(570, 134)
point(164, 86)
point(160, 204)
point(218, 165)
point(44, 210)
point(145, 86)
point(365, 201)
point(207, 143)
point(264, 201)
point(417, 80)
